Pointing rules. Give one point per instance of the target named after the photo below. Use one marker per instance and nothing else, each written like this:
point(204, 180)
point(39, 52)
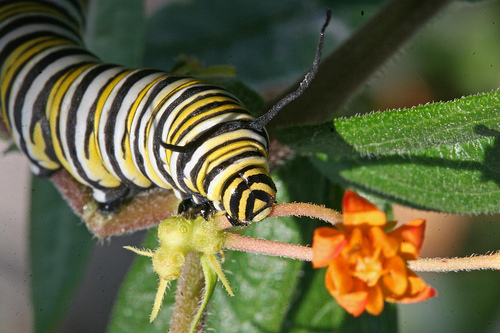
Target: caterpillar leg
point(113, 199)
point(235, 222)
point(188, 207)
point(41, 172)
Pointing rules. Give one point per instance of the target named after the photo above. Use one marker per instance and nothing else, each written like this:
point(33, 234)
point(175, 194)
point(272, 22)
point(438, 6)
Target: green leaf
point(263, 286)
point(115, 31)
point(262, 40)
point(137, 293)
point(440, 156)
point(401, 131)
point(315, 310)
point(252, 100)
point(385, 322)
point(59, 248)
point(210, 276)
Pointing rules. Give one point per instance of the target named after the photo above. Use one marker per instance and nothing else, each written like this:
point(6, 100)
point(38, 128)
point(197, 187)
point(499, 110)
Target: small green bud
point(168, 263)
point(175, 232)
point(207, 237)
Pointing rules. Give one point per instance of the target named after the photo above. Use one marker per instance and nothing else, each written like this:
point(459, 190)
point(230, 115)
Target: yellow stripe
point(226, 200)
point(129, 165)
point(54, 107)
point(233, 169)
point(23, 7)
point(242, 207)
point(192, 120)
point(94, 168)
point(27, 7)
point(21, 55)
point(159, 105)
point(231, 152)
point(185, 83)
point(133, 110)
point(102, 100)
point(212, 160)
point(38, 145)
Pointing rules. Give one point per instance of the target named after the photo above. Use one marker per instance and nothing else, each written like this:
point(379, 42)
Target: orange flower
point(366, 265)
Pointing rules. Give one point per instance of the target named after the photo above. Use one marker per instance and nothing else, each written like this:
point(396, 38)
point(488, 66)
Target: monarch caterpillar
point(115, 129)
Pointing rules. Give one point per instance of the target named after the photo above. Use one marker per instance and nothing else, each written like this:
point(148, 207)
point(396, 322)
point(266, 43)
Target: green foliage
point(262, 40)
point(59, 250)
point(135, 300)
point(436, 157)
point(115, 31)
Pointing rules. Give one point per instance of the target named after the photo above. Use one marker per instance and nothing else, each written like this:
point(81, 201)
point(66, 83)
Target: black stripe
point(29, 18)
point(74, 3)
point(195, 172)
point(205, 108)
point(236, 198)
point(90, 122)
point(109, 127)
point(38, 112)
point(77, 4)
point(220, 168)
point(140, 113)
point(76, 100)
point(231, 179)
point(173, 104)
point(256, 194)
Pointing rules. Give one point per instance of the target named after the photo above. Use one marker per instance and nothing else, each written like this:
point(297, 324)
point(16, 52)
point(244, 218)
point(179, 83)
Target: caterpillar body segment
point(115, 128)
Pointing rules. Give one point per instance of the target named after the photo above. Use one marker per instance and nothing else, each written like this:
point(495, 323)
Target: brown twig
point(143, 211)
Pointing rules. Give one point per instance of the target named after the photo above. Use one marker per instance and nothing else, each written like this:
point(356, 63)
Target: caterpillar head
point(249, 196)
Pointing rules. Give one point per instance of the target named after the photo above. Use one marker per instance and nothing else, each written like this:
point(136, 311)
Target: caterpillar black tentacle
point(115, 128)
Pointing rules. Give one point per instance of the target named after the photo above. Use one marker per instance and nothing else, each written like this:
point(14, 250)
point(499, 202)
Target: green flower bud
point(168, 263)
point(175, 232)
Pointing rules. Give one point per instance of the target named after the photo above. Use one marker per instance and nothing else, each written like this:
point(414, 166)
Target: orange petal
point(355, 240)
point(412, 236)
point(357, 210)
point(379, 239)
point(354, 303)
point(327, 244)
point(338, 277)
point(396, 279)
point(375, 303)
point(418, 291)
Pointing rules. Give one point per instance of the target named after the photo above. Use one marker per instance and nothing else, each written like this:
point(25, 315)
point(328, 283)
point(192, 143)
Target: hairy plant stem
point(188, 295)
point(299, 252)
point(475, 262)
point(270, 248)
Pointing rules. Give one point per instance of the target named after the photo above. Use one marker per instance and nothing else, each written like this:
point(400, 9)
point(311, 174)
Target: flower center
point(368, 269)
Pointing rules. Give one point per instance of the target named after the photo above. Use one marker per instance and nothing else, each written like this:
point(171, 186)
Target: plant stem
point(143, 211)
point(189, 295)
point(305, 209)
point(488, 261)
point(271, 248)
